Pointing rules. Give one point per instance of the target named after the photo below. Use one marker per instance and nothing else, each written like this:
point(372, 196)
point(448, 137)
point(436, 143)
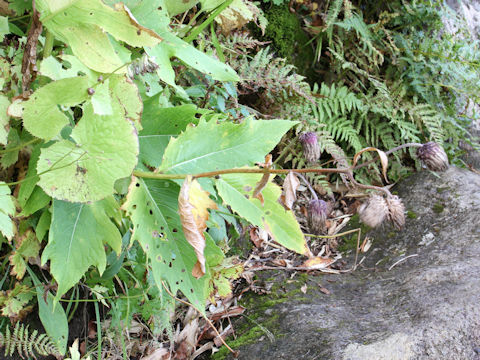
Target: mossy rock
point(288, 39)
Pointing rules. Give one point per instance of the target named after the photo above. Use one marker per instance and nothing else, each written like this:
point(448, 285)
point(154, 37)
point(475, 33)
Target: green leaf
point(20, 6)
point(211, 146)
point(41, 114)
point(4, 127)
point(53, 318)
point(101, 99)
point(7, 209)
point(75, 241)
point(68, 68)
point(236, 190)
point(173, 46)
point(106, 149)
point(4, 28)
point(153, 208)
point(159, 125)
point(176, 7)
point(9, 158)
point(85, 25)
point(14, 301)
point(31, 178)
point(36, 201)
point(127, 94)
point(43, 224)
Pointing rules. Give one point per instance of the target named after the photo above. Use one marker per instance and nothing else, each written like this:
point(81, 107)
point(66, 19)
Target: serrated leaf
point(13, 302)
point(41, 115)
point(27, 246)
point(7, 209)
point(31, 178)
point(4, 126)
point(159, 125)
point(236, 191)
point(75, 241)
point(105, 150)
point(193, 205)
point(211, 146)
point(85, 25)
point(153, 208)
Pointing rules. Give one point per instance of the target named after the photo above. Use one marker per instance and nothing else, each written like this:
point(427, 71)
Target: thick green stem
point(47, 49)
point(151, 175)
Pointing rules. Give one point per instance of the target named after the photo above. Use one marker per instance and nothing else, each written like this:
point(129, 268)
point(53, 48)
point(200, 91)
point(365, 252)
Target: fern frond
point(25, 344)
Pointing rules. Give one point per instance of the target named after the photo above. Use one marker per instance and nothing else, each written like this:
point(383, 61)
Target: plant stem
point(47, 49)
point(21, 146)
point(151, 175)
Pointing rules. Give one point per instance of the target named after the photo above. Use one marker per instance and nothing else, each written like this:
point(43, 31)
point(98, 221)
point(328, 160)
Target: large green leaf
point(85, 25)
point(106, 149)
point(7, 209)
point(41, 114)
point(176, 7)
point(211, 146)
point(153, 207)
point(237, 189)
point(159, 125)
point(75, 241)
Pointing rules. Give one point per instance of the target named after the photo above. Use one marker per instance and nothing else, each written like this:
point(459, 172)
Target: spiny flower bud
point(433, 156)
point(318, 211)
point(142, 65)
point(396, 211)
point(311, 149)
point(373, 211)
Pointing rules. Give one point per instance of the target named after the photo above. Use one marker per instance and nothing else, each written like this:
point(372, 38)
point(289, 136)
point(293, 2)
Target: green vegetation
point(132, 133)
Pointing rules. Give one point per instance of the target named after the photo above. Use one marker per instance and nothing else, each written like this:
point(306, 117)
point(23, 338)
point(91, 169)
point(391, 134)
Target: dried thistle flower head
point(318, 211)
point(373, 211)
point(396, 211)
point(433, 156)
point(311, 149)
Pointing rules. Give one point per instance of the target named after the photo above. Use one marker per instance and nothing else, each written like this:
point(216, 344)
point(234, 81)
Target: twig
point(205, 317)
point(401, 260)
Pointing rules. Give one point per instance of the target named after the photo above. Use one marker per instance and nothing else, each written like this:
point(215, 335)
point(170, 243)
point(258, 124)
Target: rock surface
point(415, 296)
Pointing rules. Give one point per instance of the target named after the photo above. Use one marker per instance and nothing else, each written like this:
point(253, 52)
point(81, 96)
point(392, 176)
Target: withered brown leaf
point(289, 194)
point(193, 203)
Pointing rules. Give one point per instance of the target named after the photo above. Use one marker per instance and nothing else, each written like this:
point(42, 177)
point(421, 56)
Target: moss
point(288, 39)
point(442, 189)
point(438, 207)
point(411, 215)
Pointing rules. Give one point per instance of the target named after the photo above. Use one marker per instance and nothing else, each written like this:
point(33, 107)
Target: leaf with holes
point(193, 205)
point(85, 25)
point(106, 149)
point(76, 241)
point(152, 206)
point(236, 190)
point(159, 125)
point(211, 146)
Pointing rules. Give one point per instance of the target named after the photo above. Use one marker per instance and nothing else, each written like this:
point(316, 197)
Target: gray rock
point(416, 295)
